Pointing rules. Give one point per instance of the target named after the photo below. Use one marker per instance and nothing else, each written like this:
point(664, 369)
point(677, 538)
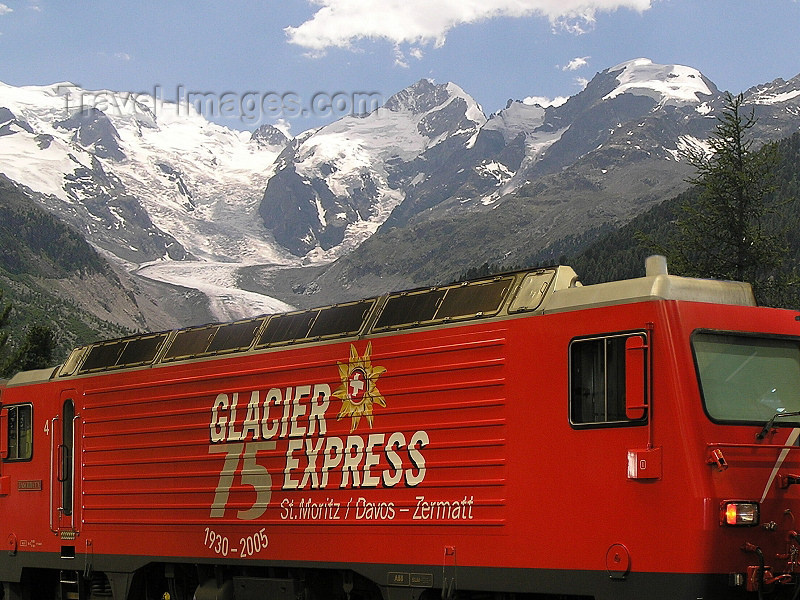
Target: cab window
point(19, 432)
point(597, 381)
point(746, 378)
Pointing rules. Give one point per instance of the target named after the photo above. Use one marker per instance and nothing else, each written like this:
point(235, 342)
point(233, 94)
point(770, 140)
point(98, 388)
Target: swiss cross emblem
point(357, 385)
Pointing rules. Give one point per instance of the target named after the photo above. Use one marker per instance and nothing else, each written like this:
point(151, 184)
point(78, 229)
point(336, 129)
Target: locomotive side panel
point(460, 439)
point(273, 456)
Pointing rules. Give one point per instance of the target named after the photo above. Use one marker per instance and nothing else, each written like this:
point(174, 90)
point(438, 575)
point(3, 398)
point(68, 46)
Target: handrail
point(52, 470)
point(750, 445)
point(74, 487)
point(717, 459)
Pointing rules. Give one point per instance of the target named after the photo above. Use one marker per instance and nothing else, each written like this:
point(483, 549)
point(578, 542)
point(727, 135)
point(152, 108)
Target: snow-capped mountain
point(775, 92)
point(776, 106)
point(130, 169)
point(334, 186)
point(675, 85)
point(554, 137)
point(633, 112)
point(146, 181)
point(176, 198)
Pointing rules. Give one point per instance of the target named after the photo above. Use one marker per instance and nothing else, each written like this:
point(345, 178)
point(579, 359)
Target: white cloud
point(400, 58)
point(4, 10)
point(122, 56)
point(576, 23)
point(284, 126)
point(338, 23)
point(576, 63)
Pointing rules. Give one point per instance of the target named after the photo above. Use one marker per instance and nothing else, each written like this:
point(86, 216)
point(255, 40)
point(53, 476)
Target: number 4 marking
point(255, 475)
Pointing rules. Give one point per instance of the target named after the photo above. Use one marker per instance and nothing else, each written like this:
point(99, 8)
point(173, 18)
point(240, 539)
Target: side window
point(598, 382)
point(20, 434)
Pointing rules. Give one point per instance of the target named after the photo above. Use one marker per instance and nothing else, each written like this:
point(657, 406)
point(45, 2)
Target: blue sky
point(304, 50)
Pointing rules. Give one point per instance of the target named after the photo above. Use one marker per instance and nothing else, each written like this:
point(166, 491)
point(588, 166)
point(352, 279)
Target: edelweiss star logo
point(359, 390)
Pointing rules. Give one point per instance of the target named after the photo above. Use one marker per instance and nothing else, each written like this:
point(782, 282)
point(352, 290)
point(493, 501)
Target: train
point(514, 436)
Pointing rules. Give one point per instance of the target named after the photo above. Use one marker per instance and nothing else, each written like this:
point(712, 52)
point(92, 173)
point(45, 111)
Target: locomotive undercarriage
point(179, 581)
point(159, 581)
point(176, 581)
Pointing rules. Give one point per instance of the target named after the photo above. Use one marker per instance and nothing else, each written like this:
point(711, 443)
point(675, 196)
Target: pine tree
point(35, 352)
point(722, 229)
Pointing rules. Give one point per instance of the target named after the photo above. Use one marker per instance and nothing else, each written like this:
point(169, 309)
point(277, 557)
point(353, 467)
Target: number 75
point(255, 475)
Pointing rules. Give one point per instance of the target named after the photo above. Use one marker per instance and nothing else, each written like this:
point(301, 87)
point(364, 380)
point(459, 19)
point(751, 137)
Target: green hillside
point(37, 255)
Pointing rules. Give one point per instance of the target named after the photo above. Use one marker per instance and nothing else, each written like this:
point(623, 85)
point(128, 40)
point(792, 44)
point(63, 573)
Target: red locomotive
point(519, 434)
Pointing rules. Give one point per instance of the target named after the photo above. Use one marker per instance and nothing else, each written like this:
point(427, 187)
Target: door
point(64, 468)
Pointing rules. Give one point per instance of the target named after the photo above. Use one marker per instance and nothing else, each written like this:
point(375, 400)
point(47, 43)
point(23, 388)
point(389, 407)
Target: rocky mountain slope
point(50, 274)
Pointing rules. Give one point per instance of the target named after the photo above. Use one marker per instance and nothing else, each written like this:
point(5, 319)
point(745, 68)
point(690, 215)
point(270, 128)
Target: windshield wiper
point(768, 425)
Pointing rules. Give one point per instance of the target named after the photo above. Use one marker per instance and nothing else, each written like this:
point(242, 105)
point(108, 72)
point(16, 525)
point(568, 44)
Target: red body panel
point(454, 448)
